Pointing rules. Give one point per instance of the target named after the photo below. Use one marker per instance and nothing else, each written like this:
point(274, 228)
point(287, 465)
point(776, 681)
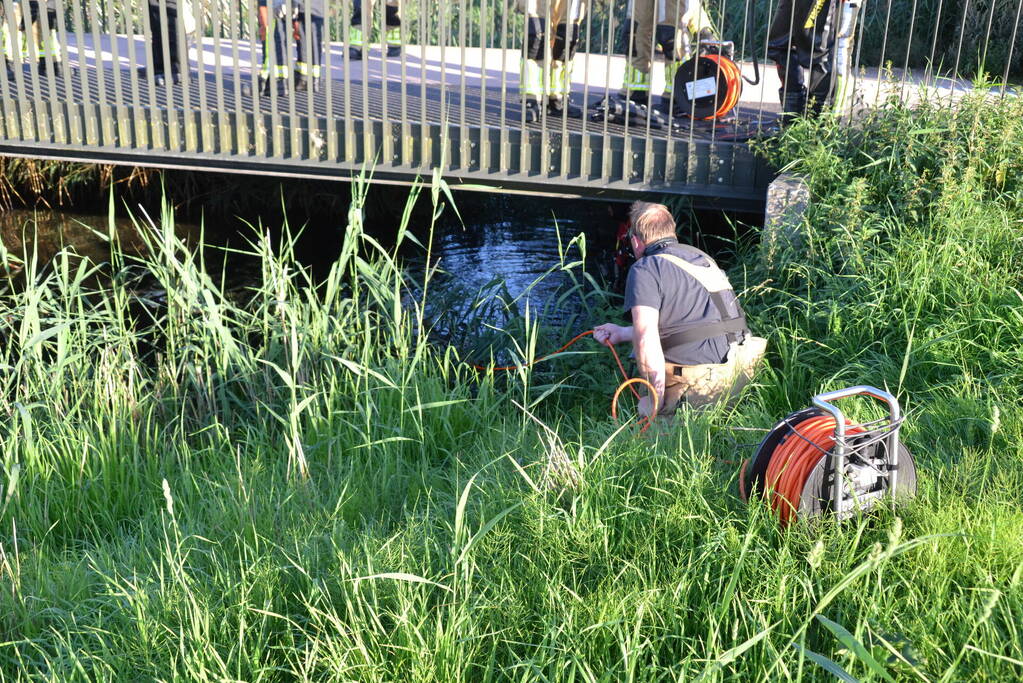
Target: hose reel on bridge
point(816, 461)
point(708, 86)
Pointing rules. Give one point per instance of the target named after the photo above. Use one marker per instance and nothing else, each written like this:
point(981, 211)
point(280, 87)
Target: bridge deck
point(452, 108)
point(445, 109)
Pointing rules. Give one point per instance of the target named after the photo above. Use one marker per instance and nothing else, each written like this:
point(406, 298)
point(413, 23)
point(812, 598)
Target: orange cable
point(614, 402)
point(573, 340)
point(794, 458)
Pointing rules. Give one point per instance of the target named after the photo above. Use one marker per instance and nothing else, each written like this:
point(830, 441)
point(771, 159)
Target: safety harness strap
point(714, 280)
point(730, 328)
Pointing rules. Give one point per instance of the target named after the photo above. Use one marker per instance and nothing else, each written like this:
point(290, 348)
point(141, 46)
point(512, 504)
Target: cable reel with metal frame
point(816, 461)
point(709, 85)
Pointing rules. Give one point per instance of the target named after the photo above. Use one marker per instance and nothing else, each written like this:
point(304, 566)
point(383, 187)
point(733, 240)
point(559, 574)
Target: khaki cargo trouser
point(704, 385)
point(687, 17)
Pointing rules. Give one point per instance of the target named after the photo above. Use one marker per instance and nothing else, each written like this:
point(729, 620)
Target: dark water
point(541, 255)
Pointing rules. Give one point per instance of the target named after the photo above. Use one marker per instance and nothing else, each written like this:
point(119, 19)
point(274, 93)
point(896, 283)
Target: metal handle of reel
point(721, 47)
point(825, 402)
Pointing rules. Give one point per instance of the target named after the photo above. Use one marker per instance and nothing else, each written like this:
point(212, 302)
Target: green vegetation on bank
point(305, 485)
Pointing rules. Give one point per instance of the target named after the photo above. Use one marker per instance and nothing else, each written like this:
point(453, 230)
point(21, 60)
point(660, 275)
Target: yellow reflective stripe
point(264, 68)
point(636, 79)
point(812, 18)
point(531, 79)
point(561, 79)
point(51, 48)
point(5, 37)
point(394, 36)
point(356, 37)
point(670, 69)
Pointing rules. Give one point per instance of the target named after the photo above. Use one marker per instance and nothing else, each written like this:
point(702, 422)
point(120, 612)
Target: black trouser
point(794, 46)
point(313, 43)
point(159, 67)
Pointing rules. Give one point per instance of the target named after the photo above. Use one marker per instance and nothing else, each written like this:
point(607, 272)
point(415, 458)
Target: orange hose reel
point(707, 87)
point(816, 461)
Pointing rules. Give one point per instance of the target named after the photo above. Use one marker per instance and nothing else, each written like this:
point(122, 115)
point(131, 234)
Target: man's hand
point(263, 16)
point(295, 32)
point(609, 334)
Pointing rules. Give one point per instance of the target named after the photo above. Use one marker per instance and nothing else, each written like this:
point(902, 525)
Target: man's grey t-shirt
point(679, 299)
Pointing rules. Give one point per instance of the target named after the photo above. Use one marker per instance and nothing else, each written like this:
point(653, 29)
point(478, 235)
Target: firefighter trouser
point(362, 23)
point(664, 25)
point(45, 40)
point(552, 33)
point(309, 46)
point(802, 37)
point(704, 385)
point(10, 33)
point(275, 49)
point(156, 26)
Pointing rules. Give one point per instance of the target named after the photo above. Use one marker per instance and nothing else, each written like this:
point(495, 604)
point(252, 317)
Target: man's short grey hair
point(651, 222)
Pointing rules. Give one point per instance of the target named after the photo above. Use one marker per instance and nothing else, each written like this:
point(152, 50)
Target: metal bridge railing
point(484, 90)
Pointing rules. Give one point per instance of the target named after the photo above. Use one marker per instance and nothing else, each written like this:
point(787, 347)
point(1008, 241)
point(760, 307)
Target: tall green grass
point(308, 483)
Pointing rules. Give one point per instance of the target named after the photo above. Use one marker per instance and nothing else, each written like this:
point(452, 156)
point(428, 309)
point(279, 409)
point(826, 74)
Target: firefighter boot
point(663, 106)
point(532, 107)
point(356, 40)
point(301, 83)
point(561, 106)
point(393, 38)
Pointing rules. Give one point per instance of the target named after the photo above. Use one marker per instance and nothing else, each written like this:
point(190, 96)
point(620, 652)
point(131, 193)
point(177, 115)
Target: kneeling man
point(688, 331)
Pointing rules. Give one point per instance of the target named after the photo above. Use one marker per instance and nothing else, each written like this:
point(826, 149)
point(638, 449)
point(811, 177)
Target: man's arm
point(646, 341)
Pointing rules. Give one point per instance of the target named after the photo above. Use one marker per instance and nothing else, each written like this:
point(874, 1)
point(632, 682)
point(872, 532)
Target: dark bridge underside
point(399, 132)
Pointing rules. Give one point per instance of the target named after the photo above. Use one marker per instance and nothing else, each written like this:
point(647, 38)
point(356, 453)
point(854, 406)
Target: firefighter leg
point(822, 37)
point(392, 25)
point(8, 37)
point(44, 36)
point(310, 52)
point(302, 47)
point(274, 68)
point(643, 15)
point(160, 39)
point(570, 14)
point(53, 41)
point(844, 36)
point(787, 47)
point(531, 78)
point(357, 31)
